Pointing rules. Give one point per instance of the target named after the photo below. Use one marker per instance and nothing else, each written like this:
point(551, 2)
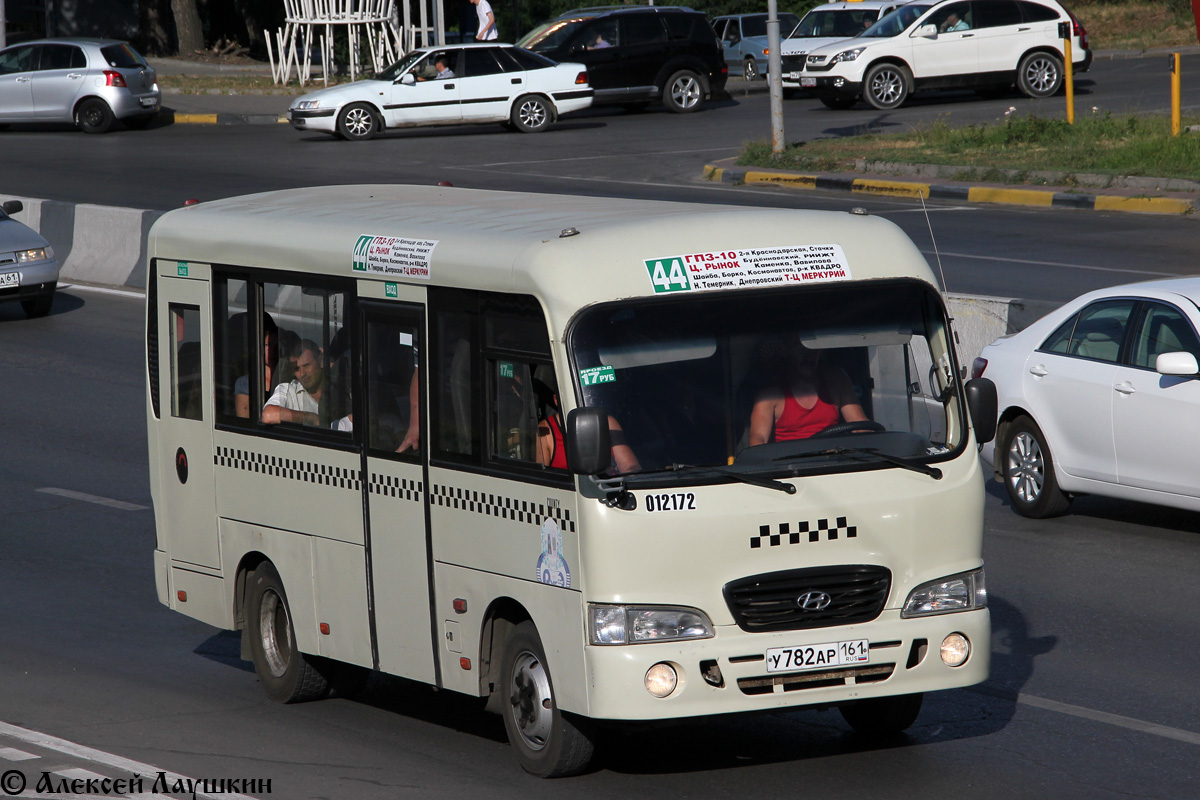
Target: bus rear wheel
point(548, 743)
point(287, 675)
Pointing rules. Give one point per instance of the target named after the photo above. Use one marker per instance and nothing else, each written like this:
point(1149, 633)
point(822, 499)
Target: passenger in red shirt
point(808, 399)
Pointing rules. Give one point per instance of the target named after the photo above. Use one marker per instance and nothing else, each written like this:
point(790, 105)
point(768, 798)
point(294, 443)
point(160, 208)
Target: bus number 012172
point(674, 501)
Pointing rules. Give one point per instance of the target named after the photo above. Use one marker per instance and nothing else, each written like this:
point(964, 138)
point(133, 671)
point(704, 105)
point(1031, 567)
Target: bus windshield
point(768, 382)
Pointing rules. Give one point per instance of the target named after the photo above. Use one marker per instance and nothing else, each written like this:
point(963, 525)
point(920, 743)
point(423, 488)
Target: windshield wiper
point(915, 466)
point(766, 483)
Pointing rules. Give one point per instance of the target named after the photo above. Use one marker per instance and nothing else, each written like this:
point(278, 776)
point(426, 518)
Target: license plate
point(149, 101)
point(794, 76)
point(818, 656)
point(10, 279)
point(809, 82)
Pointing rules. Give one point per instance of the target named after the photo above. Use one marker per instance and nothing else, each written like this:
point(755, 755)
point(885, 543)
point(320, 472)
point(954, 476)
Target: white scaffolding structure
point(312, 25)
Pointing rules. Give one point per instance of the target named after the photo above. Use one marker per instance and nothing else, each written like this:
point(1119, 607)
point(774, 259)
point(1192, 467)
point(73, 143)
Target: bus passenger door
point(186, 513)
point(393, 334)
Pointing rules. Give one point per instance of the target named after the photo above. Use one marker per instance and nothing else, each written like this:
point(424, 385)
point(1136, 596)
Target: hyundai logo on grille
point(814, 601)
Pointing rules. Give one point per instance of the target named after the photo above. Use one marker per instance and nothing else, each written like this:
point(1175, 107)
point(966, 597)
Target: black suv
point(635, 55)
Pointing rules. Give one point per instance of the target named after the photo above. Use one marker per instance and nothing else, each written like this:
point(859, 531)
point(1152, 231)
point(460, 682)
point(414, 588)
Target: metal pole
point(1064, 30)
point(774, 76)
point(1175, 86)
point(3, 24)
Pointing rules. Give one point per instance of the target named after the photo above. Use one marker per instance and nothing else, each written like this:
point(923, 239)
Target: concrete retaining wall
point(107, 245)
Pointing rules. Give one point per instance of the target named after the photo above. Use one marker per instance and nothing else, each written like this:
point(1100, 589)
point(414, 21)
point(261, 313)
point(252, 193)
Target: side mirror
point(926, 32)
point(982, 404)
point(576, 49)
point(12, 206)
point(589, 451)
point(1176, 364)
point(407, 79)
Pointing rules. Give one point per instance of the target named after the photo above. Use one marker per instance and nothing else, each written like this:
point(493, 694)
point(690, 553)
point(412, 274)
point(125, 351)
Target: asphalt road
point(1093, 686)
point(1092, 692)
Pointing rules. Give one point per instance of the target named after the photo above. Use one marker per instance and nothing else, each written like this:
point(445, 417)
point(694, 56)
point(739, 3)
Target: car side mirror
point(576, 49)
point(589, 448)
point(407, 79)
point(982, 404)
point(12, 206)
point(1176, 364)
point(926, 32)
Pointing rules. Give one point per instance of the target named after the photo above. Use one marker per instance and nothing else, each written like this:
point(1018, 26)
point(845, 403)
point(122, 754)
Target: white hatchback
point(826, 24)
point(469, 83)
point(986, 45)
point(1101, 397)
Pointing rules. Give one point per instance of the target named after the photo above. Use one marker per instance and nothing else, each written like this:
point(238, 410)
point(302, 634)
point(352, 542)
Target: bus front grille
point(794, 681)
point(802, 599)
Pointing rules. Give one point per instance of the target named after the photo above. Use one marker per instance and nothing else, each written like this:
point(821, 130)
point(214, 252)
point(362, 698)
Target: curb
point(967, 194)
point(224, 119)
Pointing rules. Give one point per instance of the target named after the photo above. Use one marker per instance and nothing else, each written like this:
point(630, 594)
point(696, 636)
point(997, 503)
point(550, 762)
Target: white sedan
point(469, 83)
point(1101, 397)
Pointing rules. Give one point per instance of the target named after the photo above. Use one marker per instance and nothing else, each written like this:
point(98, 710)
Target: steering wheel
point(839, 428)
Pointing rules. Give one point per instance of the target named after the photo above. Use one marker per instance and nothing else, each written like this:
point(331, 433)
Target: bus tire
point(287, 675)
point(548, 743)
point(882, 715)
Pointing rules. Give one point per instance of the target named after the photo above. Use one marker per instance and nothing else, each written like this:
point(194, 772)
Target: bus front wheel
point(548, 743)
point(287, 675)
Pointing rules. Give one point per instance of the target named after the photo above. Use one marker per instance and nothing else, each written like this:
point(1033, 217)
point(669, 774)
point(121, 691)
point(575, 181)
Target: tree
point(187, 26)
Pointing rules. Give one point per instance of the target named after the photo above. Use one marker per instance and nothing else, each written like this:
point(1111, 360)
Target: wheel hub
point(1026, 467)
point(532, 708)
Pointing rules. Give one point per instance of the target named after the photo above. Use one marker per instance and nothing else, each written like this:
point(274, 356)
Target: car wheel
point(886, 86)
point(287, 675)
point(750, 70)
point(839, 103)
point(93, 116)
point(1029, 472)
point(1040, 74)
point(882, 715)
point(38, 305)
point(357, 122)
point(547, 743)
point(532, 113)
point(683, 92)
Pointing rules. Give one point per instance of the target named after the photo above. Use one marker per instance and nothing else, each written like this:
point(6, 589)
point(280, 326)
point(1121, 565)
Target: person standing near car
point(487, 21)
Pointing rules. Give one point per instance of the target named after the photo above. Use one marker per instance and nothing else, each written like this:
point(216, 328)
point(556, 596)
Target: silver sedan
point(87, 82)
point(28, 268)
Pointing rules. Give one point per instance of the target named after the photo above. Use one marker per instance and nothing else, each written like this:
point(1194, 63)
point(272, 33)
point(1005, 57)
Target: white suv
point(825, 24)
point(949, 44)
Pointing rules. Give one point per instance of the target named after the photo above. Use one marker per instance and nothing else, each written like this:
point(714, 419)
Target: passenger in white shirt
point(300, 399)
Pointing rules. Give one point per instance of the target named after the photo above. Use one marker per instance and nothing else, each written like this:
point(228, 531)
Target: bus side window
point(187, 399)
point(454, 374)
point(393, 352)
point(231, 336)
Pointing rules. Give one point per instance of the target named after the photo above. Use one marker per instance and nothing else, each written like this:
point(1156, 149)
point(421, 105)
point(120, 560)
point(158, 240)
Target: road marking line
point(107, 759)
point(76, 772)
point(102, 290)
point(91, 498)
point(1109, 719)
point(13, 754)
point(595, 158)
point(1054, 264)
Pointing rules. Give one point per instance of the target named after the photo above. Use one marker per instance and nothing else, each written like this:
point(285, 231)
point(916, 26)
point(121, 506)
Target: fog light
point(661, 680)
point(955, 650)
point(839, 82)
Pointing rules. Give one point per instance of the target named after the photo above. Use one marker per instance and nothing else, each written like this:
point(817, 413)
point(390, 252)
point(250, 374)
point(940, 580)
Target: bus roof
point(513, 242)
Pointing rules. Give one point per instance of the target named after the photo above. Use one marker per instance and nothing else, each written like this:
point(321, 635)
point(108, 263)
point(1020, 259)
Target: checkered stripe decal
point(810, 533)
point(492, 505)
point(292, 469)
point(390, 486)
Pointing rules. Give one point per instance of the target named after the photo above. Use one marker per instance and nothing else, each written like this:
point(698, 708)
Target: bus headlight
point(610, 624)
point(963, 592)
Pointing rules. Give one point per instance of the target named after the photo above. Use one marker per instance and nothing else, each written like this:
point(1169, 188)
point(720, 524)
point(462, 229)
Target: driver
point(808, 398)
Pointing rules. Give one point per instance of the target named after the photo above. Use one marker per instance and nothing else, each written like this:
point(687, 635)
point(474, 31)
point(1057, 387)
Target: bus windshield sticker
point(739, 269)
point(394, 256)
point(552, 568)
point(594, 375)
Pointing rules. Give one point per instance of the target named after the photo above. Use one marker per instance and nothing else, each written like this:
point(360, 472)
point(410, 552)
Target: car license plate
point(818, 656)
point(149, 101)
point(795, 76)
point(10, 279)
point(808, 82)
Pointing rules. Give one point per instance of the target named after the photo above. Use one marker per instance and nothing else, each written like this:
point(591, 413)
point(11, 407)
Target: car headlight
point(847, 55)
point(966, 591)
point(36, 254)
point(304, 105)
point(640, 624)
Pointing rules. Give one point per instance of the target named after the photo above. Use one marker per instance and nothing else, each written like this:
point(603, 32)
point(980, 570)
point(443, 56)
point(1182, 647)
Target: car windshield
point(842, 23)
point(122, 56)
point(682, 377)
point(550, 34)
point(897, 22)
point(400, 67)
point(757, 24)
